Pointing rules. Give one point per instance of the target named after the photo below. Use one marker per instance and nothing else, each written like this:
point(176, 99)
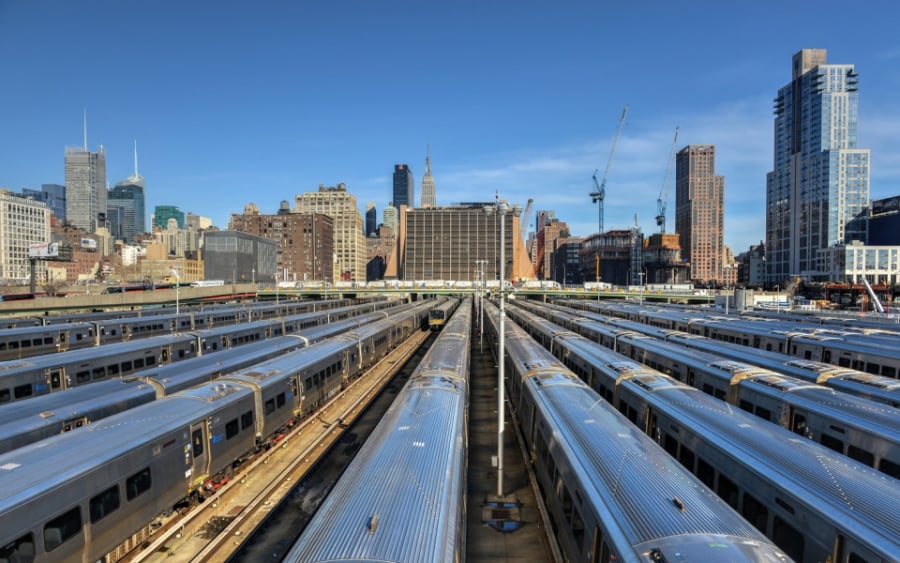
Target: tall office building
point(53, 195)
point(700, 212)
point(127, 198)
point(162, 214)
point(429, 199)
point(818, 191)
point(371, 219)
point(349, 237)
point(85, 187)
point(404, 187)
point(391, 216)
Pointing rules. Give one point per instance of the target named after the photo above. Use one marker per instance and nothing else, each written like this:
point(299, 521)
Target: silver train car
point(612, 493)
point(876, 359)
point(441, 312)
point(24, 422)
point(39, 375)
point(815, 504)
point(78, 497)
point(864, 430)
point(416, 515)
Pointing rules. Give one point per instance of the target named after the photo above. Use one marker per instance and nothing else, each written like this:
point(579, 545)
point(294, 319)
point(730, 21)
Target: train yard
point(637, 433)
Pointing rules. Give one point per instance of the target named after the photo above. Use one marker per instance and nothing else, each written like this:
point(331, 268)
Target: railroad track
point(215, 529)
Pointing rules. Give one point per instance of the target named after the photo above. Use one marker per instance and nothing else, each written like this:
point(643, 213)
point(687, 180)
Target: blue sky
point(239, 102)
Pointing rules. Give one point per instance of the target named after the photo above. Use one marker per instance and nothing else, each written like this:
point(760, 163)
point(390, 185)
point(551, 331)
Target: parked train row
point(39, 375)
point(611, 492)
point(863, 355)
point(25, 422)
point(31, 341)
point(815, 504)
point(403, 497)
point(874, 387)
point(76, 497)
point(864, 430)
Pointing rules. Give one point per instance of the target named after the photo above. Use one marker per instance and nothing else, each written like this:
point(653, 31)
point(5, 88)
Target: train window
point(82, 377)
point(872, 368)
point(151, 360)
point(140, 483)
point(746, 405)
point(671, 445)
point(854, 558)
point(126, 367)
point(705, 472)
point(26, 344)
point(577, 527)
point(269, 407)
point(844, 362)
point(719, 394)
point(788, 539)
point(14, 345)
point(755, 512)
point(138, 363)
point(20, 549)
point(231, 429)
point(114, 369)
point(763, 413)
point(567, 503)
point(889, 371)
point(197, 442)
point(4, 395)
point(707, 388)
point(551, 468)
point(885, 466)
point(99, 373)
point(246, 420)
point(830, 441)
point(23, 391)
point(728, 491)
point(104, 504)
point(862, 455)
point(686, 457)
point(62, 528)
point(279, 400)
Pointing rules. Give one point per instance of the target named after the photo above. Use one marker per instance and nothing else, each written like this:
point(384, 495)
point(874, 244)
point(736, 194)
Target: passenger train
point(864, 430)
point(612, 493)
point(77, 497)
point(416, 515)
point(876, 359)
point(24, 422)
point(815, 504)
point(39, 375)
point(439, 314)
point(54, 337)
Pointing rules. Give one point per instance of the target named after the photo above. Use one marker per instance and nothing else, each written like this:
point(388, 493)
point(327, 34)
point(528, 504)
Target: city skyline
point(262, 104)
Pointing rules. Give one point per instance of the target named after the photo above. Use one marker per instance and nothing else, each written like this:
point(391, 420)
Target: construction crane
point(599, 192)
point(664, 191)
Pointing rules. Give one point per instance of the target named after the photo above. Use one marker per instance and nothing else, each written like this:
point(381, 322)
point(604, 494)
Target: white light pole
point(177, 289)
point(501, 209)
point(480, 282)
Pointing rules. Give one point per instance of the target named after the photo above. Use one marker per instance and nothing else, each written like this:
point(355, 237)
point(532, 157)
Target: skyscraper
point(128, 197)
point(85, 187)
point(371, 219)
point(404, 187)
point(700, 212)
point(162, 214)
point(429, 198)
point(818, 190)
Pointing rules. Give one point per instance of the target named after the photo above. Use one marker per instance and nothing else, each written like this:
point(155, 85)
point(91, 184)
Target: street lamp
point(177, 288)
point(480, 282)
point(501, 209)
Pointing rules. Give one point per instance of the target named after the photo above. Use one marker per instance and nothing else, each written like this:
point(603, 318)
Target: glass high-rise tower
point(404, 187)
point(818, 190)
point(85, 187)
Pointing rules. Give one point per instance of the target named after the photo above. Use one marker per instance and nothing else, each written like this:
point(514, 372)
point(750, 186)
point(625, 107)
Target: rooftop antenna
point(135, 158)
point(84, 117)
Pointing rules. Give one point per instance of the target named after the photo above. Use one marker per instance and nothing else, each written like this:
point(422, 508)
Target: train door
point(62, 341)
point(164, 355)
point(56, 378)
point(199, 453)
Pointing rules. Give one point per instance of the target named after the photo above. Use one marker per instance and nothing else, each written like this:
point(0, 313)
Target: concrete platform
point(507, 528)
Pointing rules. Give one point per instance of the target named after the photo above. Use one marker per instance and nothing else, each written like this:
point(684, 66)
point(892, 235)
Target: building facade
point(304, 241)
point(818, 191)
point(884, 222)
point(126, 212)
point(700, 212)
point(238, 257)
point(404, 187)
point(23, 222)
point(349, 237)
point(162, 214)
point(371, 219)
point(85, 187)
point(53, 195)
